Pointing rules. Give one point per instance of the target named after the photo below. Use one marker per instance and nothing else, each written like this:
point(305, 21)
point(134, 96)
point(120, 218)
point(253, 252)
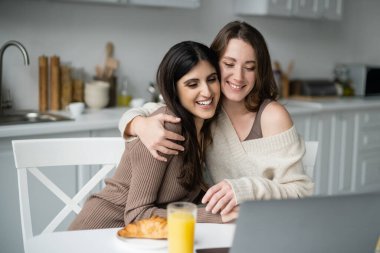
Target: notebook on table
point(332, 224)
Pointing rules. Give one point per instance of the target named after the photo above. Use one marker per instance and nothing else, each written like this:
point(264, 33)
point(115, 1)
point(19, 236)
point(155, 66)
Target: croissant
point(152, 228)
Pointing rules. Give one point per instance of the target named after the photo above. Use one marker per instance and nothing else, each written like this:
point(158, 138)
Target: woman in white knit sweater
point(256, 151)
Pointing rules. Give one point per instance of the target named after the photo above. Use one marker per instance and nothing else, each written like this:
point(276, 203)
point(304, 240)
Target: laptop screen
point(349, 224)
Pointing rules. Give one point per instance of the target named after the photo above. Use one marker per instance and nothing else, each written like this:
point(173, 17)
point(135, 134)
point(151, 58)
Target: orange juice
point(181, 232)
point(181, 224)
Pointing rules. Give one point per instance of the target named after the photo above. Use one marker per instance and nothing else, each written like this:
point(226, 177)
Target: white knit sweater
point(265, 168)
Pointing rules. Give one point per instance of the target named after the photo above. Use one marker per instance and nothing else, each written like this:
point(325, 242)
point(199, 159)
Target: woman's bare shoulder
point(275, 119)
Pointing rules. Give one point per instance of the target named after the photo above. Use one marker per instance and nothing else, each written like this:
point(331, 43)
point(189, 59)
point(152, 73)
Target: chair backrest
point(310, 157)
point(32, 154)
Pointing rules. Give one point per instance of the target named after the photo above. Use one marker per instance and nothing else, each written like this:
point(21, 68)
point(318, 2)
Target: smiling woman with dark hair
point(188, 79)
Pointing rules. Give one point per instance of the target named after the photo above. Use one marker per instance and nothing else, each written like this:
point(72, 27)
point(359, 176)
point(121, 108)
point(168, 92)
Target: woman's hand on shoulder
point(155, 137)
point(275, 119)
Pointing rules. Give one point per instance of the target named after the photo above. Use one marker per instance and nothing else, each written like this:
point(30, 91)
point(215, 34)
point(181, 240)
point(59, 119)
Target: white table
point(207, 235)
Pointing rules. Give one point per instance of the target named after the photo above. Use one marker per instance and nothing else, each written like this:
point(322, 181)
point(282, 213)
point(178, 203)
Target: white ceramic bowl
point(76, 109)
point(96, 94)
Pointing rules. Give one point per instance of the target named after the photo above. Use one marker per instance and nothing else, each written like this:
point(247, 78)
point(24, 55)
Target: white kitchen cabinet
point(342, 152)
point(192, 4)
point(167, 3)
point(367, 157)
point(313, 9)
point(307, 127)
point(303, 126)
point(266, 7)
point(348, 159)
point(332, 9)
point(306, 9)
point(335, 131)
point(320, 130)
point(93, 1)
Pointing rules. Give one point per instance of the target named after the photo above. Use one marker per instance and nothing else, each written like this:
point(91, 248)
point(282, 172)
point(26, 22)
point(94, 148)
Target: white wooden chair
point(310, 157)
point(32, 154)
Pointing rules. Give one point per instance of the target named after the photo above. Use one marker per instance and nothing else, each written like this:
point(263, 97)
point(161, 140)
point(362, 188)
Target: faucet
point(26, 61)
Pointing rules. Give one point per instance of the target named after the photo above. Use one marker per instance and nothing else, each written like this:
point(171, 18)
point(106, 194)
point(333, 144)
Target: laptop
point(331, 224)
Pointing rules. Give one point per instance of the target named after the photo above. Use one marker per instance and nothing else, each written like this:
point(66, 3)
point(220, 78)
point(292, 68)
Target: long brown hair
point(265, 86)
point(177, 62)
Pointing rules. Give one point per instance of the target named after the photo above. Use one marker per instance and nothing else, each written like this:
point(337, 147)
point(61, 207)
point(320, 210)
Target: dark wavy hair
point(265, 86)
point(177, 62)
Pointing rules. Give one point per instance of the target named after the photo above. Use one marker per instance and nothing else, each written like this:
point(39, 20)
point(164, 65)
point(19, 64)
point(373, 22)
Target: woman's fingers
point(156, 138)
point(173, 136)
point(172, 119)
point(210, 192)
point(212, 204)
point(157, 156)
point(231, 216)
point(169, 118)
point(170, 144)
point(222, 203)
point(220, 197)
point(165, 147)
point(229, 207)
point(226, 203)
point(167, 151)
point(215, 193)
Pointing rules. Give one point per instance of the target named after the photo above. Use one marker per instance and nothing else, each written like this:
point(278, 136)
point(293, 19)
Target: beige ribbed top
point(256, 131)
point(140, 188)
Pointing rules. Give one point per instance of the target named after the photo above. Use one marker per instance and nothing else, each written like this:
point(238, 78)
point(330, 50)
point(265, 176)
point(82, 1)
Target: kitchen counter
point(109, 118)
point(90, 120)
point(329, 104)
point(97, 120)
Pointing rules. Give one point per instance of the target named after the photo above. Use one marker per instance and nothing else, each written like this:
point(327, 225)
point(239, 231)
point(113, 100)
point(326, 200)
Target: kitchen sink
point(26, 117)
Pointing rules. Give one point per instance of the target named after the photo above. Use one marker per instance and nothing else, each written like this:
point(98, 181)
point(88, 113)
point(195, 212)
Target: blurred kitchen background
point(309, 47)
point(78, 30)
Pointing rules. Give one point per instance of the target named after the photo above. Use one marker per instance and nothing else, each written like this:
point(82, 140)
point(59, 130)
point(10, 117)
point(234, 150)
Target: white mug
point(76, 109)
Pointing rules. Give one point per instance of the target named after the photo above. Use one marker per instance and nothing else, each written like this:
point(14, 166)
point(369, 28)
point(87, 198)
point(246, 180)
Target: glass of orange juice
point(181, 222)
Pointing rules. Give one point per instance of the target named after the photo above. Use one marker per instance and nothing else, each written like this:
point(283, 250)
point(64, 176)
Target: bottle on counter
point(123, 97)
point(78, 84)
point(342, 81)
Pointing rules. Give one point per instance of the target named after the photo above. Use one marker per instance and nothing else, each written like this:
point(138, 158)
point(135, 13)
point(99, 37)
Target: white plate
point(144, 243)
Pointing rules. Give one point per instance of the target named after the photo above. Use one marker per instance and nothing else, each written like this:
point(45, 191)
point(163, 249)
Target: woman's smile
point(205, 103)
point(236, 87)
